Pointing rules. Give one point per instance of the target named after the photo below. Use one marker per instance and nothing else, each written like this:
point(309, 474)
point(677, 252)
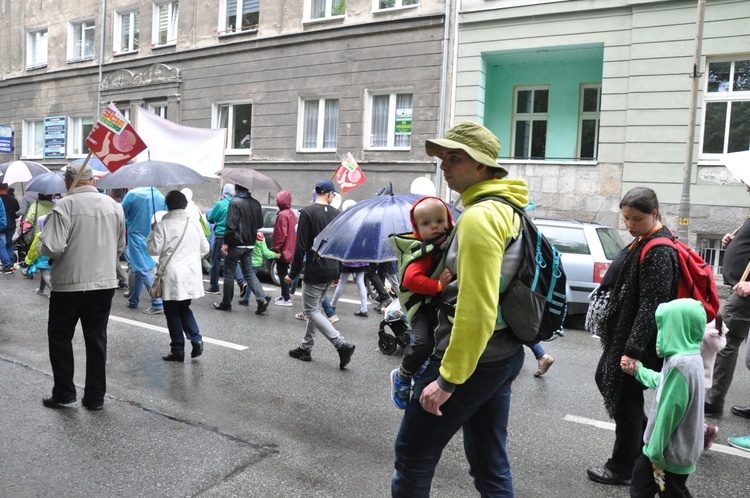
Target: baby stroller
point(395, 320)
point(23, 242)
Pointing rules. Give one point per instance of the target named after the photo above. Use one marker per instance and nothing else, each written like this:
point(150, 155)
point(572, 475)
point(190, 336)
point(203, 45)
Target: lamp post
point(684, 211)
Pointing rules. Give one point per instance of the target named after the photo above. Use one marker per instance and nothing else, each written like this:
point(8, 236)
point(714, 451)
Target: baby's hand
point(445, 278)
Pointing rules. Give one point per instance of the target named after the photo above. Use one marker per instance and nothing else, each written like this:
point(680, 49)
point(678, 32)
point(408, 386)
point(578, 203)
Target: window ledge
point(36, 66)
point(323, 20)
point(550, 162)
point(229, 34)
point(128, 52)
point(394, 9)
point(238, 152)
point(80, 59)
point(155, 46)
point(316, 151)
point(397, 149)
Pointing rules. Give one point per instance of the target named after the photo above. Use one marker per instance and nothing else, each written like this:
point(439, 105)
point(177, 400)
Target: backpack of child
point(534, 303)
point(696, 276)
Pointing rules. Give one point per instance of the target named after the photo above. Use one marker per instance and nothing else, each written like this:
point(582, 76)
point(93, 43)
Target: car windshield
point(568, 240)
point(611, 242)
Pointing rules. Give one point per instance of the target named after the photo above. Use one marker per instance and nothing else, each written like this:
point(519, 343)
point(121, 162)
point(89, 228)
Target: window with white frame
point(164, 24)
point(319, 124)
point(127, 32)
point(726, 127)
point(530, 116)
point(36, 48)
point(81, 40)
point(322, 9)
point(237, 119)
point(79, 131)
point(159, 109)
point(238, 15)
point(393, 4)
point(390, 120)
point(588, 125)
point(33, 138)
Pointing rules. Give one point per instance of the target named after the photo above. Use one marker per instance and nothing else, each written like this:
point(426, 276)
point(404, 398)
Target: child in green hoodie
point(673, 440)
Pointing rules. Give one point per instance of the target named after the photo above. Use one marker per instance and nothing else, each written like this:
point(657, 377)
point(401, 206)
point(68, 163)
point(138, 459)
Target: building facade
point(297, 84)
point(592, 98)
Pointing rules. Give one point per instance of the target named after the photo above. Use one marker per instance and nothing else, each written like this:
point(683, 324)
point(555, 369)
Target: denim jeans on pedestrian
point(359, 277)
point(7, 257)
point(312, 297)
point(480, 407)
point(213, 273)
point(143, 278)
point(243, 257)
point(180, 320)
point(538, 350)
point(255, 286)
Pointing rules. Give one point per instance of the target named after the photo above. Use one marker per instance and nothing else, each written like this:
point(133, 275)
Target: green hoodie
point(475, 257)
point(674, 433)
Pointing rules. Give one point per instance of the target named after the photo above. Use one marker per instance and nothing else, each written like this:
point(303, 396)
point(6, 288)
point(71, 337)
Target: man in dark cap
point(83, 235)
point(319, 274)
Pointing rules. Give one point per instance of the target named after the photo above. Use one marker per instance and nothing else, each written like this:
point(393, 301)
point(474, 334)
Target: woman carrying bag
point(179, 246)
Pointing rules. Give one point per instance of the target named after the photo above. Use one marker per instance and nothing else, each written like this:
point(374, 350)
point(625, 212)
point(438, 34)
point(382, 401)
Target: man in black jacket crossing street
point(244, 219)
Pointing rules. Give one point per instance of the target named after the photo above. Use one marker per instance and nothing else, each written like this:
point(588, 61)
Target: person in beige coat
point(179, 246)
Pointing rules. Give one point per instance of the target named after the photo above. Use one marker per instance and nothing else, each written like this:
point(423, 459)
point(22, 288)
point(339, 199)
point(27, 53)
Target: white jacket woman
point(183, 277)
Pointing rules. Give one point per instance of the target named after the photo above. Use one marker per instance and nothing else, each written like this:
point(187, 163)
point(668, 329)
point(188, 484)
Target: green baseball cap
point(474, 139)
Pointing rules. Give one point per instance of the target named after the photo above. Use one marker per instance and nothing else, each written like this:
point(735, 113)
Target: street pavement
point(247, 420)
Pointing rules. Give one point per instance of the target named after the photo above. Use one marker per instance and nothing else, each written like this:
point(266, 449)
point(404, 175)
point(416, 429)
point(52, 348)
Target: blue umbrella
point(47, 183)
point(95, 163)
point(361, 232)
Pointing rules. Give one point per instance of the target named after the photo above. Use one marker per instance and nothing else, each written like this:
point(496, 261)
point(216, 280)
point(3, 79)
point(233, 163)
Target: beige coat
point(83, 235)
point(183, 277)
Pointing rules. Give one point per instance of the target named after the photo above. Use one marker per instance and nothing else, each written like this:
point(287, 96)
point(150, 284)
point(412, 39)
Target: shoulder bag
point(155, 291)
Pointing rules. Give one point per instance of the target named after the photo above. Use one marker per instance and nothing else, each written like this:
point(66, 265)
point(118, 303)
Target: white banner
point(201, 149)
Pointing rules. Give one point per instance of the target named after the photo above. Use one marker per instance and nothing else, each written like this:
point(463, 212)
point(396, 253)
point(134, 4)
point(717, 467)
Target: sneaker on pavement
point(545, 362)
point(741, 442)
point(345, 354)
point(300, 354)
point(7, 270)
point(400, 390)
point(243, 289)
point(300, 316)
point(333, 318)
point(153, 311)
point(280, 298)
point(708, 436)
point(282, 302)
point(213, 291)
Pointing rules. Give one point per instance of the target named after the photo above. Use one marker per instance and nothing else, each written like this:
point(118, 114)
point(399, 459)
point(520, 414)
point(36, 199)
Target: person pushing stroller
point(419, 256)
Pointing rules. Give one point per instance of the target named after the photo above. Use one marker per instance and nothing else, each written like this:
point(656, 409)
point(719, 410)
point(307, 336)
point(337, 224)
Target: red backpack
point(696, 276)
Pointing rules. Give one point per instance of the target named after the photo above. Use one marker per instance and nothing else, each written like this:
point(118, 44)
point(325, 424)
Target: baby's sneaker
point(400, 390)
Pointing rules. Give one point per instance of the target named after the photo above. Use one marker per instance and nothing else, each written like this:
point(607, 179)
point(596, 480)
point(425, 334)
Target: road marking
point(719, 448)
point(165, 330)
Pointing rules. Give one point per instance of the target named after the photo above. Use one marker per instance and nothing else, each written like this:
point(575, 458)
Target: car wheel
point(272, 273)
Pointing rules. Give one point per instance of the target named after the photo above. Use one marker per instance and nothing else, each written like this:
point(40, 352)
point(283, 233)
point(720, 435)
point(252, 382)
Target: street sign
point(54, 137)
point(6, 139)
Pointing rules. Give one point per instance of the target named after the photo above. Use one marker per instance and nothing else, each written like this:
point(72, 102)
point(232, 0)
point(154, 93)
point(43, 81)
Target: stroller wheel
point(387, 344)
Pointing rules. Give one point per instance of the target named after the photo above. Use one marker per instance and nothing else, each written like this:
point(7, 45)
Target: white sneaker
point(300, 316)
point(333, 319)
point(280, 298)
point(281, 302)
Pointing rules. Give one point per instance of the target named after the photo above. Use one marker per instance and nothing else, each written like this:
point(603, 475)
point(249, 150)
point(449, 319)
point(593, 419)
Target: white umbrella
point(738, 163)
point(21, 171)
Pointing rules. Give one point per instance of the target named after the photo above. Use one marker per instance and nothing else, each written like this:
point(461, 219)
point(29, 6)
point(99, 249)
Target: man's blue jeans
point(255, 287)
point(480, 407)
point(235, 256)
point(143, 278)
point(213, 273)
point(6, 249)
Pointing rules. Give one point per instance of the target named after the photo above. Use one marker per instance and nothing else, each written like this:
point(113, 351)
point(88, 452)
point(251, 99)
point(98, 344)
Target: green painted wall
point(564, 75)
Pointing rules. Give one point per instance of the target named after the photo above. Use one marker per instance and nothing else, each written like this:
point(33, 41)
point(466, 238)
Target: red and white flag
point(113, 140)
point(349, 175)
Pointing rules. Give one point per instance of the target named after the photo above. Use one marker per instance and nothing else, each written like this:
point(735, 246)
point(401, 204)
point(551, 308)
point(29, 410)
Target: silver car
point(587, 251)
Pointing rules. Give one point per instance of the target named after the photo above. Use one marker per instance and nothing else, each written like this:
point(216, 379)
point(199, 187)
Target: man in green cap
point(467, 382)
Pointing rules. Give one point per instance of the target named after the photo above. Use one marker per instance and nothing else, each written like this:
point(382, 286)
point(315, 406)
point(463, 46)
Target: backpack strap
point(657, 241)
